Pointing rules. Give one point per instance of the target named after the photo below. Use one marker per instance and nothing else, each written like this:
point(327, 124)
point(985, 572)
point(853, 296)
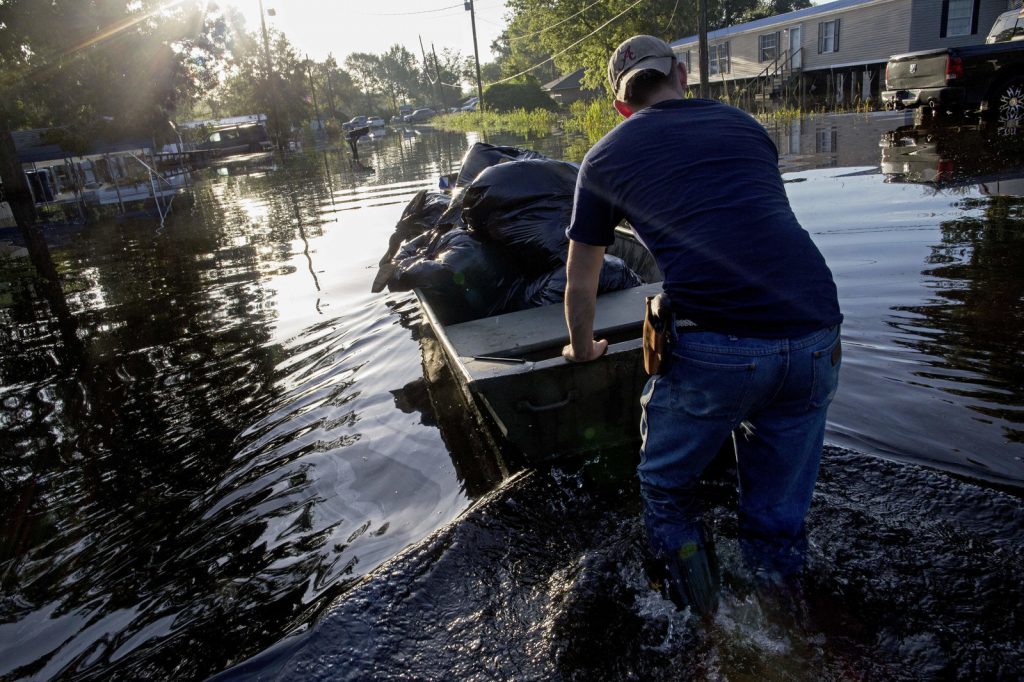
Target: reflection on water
point(199, 445)
point(212, 431)
point(927, 259)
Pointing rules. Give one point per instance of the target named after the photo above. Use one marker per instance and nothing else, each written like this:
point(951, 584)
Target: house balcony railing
point(776, 80)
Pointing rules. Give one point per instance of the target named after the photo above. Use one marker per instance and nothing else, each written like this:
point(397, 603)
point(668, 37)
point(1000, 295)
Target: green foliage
point(518, 121)
point(582, 33)
point(106, 67)
point(769, 8)
point(592, 119)
point(555, 38)
point(510, 96)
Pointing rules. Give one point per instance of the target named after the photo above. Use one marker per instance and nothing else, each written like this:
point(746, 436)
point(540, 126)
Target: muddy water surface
point(213, 436)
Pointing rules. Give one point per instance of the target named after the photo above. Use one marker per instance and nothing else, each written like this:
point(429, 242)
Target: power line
point(551, 58)
point(559, 23)
point(402, 14)
point(672, 16)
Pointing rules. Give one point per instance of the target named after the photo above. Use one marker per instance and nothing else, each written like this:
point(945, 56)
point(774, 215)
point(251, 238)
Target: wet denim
point(771, 396)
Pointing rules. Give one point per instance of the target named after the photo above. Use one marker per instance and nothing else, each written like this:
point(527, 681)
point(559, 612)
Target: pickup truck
point(988, 78)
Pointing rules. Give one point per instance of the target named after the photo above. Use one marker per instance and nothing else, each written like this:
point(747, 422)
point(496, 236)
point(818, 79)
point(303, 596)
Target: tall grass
point(517, 121)
point(781, 115)
point(592, 119)
point(588, 122)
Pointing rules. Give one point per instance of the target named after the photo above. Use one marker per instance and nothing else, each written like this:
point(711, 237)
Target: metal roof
point(30, 147)
point(569, 81)
point(777, 19)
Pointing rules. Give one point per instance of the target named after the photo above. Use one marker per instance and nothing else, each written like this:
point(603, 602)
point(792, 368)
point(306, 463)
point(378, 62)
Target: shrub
point(509, 96)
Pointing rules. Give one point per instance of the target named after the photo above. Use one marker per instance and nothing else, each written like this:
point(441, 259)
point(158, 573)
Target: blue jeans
point(773, 394)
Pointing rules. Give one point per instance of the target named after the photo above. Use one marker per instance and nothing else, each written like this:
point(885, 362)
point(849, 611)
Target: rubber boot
point(693, 572)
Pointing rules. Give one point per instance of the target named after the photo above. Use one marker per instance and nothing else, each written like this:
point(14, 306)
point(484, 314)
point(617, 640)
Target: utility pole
point(330, 90)
point(271, 85)
point(705, 71)
point(426, 72)
point(440, 83)
point(476, 55)
point(312, 90)
point(15, 185)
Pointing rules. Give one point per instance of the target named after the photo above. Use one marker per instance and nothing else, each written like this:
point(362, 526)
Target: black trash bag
point(476, 159)
point(526, 206)
point(462, 277)
point(420, 216)
point(549, 288)
point(422, 212)
point(482, 155)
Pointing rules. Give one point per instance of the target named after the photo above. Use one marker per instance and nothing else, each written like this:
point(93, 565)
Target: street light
point(270, 73)
point(476, 54)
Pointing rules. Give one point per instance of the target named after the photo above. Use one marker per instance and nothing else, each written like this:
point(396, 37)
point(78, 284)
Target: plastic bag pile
point(496, 243)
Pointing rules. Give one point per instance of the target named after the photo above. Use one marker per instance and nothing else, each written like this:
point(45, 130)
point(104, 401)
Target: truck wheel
point(1008, 103)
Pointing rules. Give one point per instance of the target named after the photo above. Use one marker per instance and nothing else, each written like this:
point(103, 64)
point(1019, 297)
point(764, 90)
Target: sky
point(322, 27)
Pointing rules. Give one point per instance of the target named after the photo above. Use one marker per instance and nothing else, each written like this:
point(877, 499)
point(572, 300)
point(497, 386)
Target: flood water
point(217, 442)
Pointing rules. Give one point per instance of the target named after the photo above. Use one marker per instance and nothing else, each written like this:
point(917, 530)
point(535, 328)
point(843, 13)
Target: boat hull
point(511, 367)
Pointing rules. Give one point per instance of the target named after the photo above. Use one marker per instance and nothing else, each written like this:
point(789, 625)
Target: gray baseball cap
point(634, 55)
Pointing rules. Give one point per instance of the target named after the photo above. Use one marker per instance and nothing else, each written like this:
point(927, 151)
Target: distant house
point(107, 173)
point(836, 50)
point(567, 89)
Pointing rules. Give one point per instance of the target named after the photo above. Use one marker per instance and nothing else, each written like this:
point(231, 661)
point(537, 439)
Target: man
point(699, 183)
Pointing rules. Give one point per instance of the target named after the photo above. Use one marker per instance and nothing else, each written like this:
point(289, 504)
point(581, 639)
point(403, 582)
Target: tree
point(577, 34)
point(366, 70)
point(99, 70)
point(574, 34)
point(400, 75)
point(340, 92)
point(770, 8)
point(453, 70)
point(509, 96)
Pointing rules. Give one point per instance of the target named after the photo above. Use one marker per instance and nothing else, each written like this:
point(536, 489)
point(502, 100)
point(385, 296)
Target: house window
point(959, 18)
point(825, 140)
point(828, 36)
point(768, 47)
point(718, 59)
point(686, 61)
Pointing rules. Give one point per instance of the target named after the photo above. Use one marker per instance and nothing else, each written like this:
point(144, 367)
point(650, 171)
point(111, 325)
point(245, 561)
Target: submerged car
point(375, 122)
point(355, 122)
point(420, 115)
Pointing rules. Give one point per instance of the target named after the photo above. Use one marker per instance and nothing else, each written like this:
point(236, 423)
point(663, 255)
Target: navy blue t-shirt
point(699, 182)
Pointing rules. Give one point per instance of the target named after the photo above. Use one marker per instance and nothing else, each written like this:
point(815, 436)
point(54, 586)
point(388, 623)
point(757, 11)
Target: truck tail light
point(954, 68)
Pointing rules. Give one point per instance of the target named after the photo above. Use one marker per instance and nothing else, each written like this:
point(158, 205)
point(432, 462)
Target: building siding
point(869, 34)
point(926, 25)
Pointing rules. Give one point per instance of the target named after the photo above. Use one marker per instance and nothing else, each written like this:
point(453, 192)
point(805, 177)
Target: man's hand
point(582, 272)
point(597, 349)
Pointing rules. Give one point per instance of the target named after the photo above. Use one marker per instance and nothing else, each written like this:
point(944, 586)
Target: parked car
point(375, 122)
point(1008, 26)
point(355, 122)
point(987, 78)
point(470, 104)
point(420, 115)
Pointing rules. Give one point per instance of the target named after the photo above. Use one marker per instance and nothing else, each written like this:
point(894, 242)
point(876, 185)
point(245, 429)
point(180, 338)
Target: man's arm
point(583, 271)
